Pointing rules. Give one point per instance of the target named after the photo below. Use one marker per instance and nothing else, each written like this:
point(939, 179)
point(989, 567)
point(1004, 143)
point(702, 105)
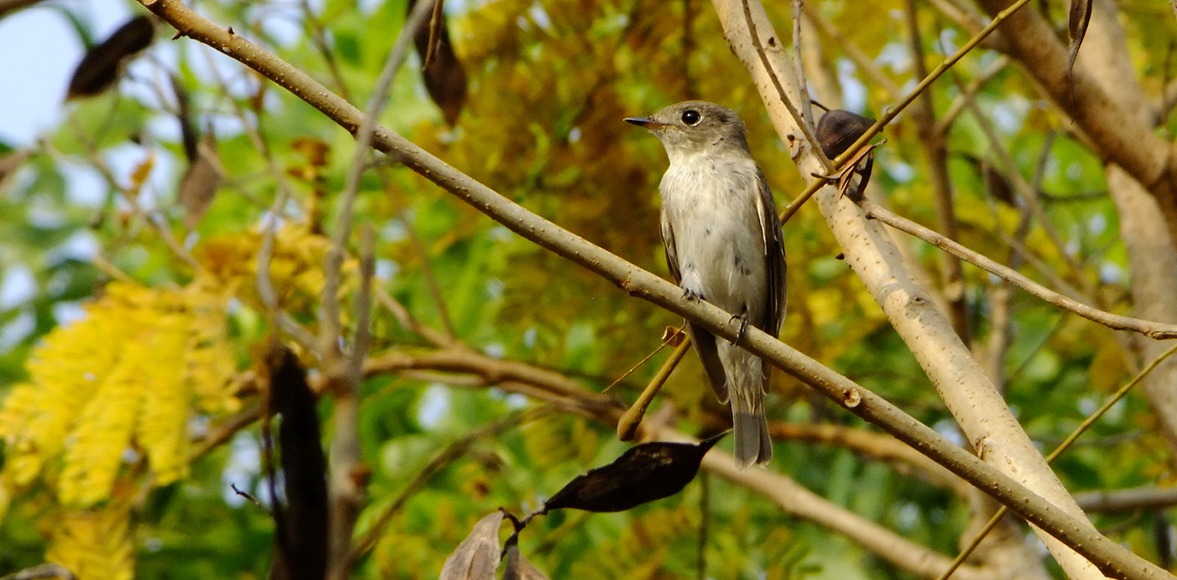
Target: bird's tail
point(746, 388)
point(753, 445)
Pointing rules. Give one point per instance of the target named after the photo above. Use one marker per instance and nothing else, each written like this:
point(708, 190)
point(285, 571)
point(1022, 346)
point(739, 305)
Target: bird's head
point(695, 127)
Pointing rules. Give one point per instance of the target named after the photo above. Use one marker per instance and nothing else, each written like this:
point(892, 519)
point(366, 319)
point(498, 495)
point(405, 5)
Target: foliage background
point(549, 83)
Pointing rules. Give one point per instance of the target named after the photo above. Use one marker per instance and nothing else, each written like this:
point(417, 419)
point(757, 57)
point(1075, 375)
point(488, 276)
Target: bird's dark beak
point(645, 122)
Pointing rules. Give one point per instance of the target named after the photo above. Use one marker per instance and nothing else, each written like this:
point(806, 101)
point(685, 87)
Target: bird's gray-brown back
point(723, 244)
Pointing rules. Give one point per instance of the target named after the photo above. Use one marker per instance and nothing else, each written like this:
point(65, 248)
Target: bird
point(724, 244)
point(836, 132)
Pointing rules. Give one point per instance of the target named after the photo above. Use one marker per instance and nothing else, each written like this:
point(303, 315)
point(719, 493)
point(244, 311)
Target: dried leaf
point(996, 184)
point(316, 151)
point(673, 336)
point(302, 522)
point(477, 557)
point(200, 183)
point(444, 76)
point(517, 567)
point(140, 174)
point(188, 134)
point(1080, 17)
point(642, 474)
point(100, 68)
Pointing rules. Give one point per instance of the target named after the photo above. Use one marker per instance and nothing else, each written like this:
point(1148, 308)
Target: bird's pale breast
point(718, 237)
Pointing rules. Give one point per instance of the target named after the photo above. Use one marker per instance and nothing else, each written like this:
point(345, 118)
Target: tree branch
point(1151, 329)
point(797, 500)
point(1125, 500)
point(876, 445)
point(1117, 134)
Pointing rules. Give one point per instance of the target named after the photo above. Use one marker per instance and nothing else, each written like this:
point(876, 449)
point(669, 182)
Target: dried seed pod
point(477, 557)
point(642, 474)
point(101, 66)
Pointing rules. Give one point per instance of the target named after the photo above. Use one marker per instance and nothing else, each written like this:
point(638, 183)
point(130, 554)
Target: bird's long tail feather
point(746, 385)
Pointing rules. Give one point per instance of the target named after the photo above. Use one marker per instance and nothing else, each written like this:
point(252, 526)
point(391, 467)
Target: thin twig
point(434, 36)
point(1127, 500)
point(1001, 297)
point(225, 430)
point(852, 50)
point(1082, 428)
point(443, 311)
point(799, 73)
point(410, 323)
point(249, 496)
point(936, 150)
point(265, 285)
point(662, 345)
point(452, 452)
point(252, 126)
point(363, 335)
point(958, 104)
point(1026, 194)
point(1151, 329)
point(803, 120)
point(632, 419)
point(319, 40)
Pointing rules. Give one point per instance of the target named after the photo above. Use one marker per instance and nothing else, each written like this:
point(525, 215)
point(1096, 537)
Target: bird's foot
point(691, 295)
point(743, 318)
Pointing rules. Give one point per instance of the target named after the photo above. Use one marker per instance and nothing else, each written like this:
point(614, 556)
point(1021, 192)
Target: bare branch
point(1118, 134)
point(875, 445)
point(936, 150)
point(449, 454)
point(1157, 330)
point(852, 50)
point(798, 500)
point(1126, 500)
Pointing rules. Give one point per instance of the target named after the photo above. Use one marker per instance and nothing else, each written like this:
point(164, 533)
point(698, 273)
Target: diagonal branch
point(1117, 133)
point(1151, 329)
point(800, 501)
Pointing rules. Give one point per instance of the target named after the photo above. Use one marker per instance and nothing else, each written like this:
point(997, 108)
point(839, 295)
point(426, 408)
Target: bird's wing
point(774, 258)
point(670, 248)
point(703, 339)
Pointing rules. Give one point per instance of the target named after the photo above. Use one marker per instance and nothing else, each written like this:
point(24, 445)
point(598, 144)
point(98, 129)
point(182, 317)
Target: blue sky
point(40, 50)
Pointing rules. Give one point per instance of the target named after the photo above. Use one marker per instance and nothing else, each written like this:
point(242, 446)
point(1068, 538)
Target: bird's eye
point(691, 117)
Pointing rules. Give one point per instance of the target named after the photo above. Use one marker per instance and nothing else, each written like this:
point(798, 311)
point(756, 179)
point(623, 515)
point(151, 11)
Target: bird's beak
point(645, 122)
